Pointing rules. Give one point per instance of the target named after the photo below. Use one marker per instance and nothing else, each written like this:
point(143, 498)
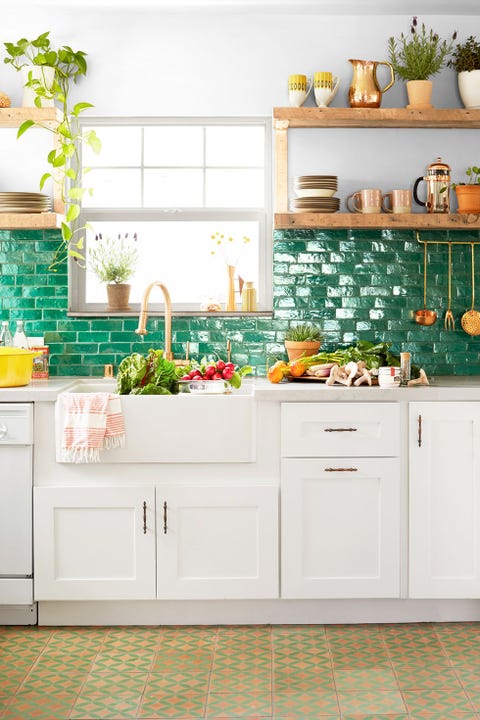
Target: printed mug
point(397, 201)
point(366, 201)
point(299, 87)
point(325, 86)
point(389, 376)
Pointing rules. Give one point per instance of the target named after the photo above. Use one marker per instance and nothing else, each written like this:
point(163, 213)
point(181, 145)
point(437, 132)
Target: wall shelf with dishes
point(48, 118)
point(286, 118)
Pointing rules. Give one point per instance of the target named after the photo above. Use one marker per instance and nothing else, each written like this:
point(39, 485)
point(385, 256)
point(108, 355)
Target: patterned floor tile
point(170, 705)
point(468, 676)
point(456, 627)
point(422, 656)
point(436, 701)
point(373, 678)
point(122, 662)
point(182, 684)
point(442, 716)
point(38, 706)
point(239, 704)
point(182, 661)
point(376, 716)
point(234, 682)
point(429, 677)
point(474, 696)
point(59, 684)
point(370, 702)
point(306, 704)
point(303, 682)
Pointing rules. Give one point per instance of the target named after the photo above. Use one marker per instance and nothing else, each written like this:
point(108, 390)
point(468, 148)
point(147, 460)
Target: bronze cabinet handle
point(347, 469)
point(144, 517)
point(340, 430)
point(165, 518)
point(419, 431)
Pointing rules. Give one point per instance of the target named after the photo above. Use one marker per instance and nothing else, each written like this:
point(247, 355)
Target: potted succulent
point(63, 67)
point(417, 57)
point(468, 193)
point(114, 262)
point(466, 61)
point(302, 340)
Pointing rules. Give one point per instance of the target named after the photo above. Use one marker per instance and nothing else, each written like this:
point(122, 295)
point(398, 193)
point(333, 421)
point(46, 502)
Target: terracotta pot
point(419, 94)
point(468, 197)
point(297, 349)
point(469, 88)
point(118, 295)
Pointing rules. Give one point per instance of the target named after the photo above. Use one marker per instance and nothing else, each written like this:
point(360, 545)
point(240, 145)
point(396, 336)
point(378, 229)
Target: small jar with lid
point(249, 297)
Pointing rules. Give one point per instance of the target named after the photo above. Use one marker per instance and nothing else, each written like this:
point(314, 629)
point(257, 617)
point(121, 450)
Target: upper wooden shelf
point(313, 117)
point(14, 117)
point(433, 221)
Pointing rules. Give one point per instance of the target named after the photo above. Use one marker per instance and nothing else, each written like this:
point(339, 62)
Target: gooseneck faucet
point(142, 319)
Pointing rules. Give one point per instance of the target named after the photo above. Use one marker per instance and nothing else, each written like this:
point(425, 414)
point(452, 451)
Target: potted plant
point(67, 66)
point(114, 262)
point(415, 58)
point(302, 339)
point(468, 194)
point(466, 61)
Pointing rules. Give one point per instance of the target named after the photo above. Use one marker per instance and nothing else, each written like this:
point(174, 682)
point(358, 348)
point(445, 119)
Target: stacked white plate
point(315, 193)
point(24, 202)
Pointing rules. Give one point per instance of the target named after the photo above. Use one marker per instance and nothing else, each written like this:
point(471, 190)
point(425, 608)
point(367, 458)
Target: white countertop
point(462, 388)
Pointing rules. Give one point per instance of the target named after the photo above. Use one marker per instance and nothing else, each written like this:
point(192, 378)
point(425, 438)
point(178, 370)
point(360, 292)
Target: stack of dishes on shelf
point(315, 193)
point(24, 202)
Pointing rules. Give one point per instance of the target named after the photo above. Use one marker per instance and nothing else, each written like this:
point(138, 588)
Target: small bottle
point(19, 338)
point(405, 367)
point(6, 339)
point(249, 298)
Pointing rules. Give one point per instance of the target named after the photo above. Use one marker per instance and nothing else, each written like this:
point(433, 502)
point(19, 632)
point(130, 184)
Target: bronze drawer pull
point(340, 430)
point(419, 431)
point(144, 517)
point(341, 469)
point(165, 517)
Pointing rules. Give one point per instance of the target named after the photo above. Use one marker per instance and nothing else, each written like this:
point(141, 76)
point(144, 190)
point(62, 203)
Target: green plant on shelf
point(420, 54)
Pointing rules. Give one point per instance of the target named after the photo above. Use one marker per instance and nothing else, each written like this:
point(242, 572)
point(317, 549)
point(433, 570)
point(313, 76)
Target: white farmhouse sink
point(180, 428)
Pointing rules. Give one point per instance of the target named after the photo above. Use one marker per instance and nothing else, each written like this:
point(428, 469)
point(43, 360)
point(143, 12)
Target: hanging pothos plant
point(68, 65)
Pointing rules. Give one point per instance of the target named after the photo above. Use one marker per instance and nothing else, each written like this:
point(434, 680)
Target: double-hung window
point(193, 194)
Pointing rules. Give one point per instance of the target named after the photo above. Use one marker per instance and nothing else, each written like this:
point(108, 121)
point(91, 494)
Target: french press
point(437, 178)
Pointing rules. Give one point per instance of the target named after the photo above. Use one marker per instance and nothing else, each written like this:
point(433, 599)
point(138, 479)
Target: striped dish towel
point(92, 422)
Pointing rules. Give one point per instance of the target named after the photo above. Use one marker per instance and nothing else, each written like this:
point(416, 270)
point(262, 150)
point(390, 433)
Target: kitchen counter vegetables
point(150, 374)
point(216, 370)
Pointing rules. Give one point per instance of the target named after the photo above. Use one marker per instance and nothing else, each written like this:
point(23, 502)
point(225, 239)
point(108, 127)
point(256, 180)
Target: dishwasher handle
point(3, 431)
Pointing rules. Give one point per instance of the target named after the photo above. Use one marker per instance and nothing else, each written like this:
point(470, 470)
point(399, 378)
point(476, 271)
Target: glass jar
point(249, 298)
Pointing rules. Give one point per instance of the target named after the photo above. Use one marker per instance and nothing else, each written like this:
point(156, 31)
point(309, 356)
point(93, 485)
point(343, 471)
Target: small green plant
point(473, 175)
point(419, 55)
point(69, 66)
point(113, 261)
point(304, 332)
point(466, 56)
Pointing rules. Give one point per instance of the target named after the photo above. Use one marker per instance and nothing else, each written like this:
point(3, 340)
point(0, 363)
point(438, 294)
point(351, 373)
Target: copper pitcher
point(365, 92)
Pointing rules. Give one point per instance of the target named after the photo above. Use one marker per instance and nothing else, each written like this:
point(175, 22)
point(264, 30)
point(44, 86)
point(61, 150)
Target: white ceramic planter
point(46, 75)
point(469, 88)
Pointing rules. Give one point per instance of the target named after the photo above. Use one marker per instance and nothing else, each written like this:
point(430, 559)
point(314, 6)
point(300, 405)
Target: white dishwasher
point(16, 569)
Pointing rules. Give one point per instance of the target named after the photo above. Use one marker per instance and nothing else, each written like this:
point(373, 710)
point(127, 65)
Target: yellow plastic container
point(16, 365)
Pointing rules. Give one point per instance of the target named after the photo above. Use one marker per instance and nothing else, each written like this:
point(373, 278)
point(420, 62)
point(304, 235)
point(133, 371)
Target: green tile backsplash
point(356, 284)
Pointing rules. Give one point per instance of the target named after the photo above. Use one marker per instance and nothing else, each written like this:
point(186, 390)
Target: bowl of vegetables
point(212, 376)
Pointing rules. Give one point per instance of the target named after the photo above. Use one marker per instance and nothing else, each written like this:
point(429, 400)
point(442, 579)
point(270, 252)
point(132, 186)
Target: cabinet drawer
point(16, 424)
point(343, 429)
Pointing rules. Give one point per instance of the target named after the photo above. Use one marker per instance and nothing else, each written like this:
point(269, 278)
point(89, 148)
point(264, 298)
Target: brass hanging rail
point(445, 242)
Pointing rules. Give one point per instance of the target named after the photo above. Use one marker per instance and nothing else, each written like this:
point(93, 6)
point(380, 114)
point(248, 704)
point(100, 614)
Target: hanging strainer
point(471, 318)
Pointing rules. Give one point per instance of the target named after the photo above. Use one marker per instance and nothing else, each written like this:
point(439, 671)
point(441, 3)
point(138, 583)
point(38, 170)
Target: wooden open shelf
point(286, 118)
point(453, 221)
point(49, 118)
point(312, 117)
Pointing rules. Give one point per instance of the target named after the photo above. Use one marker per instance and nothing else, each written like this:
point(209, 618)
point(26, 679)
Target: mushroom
point(422, 380)
point(365, 377)
point(351, 369)
point(332, 376)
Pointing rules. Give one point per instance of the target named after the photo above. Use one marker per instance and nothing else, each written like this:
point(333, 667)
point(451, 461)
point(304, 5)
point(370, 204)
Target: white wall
point(151, 62)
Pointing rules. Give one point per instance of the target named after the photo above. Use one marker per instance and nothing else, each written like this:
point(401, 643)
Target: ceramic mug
point(299, 87)
point(325, 86)
point(366, 201)
point(397, 201)
point(389, 376)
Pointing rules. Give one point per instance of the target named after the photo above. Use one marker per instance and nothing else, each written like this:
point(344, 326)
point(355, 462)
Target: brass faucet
point(142, 319)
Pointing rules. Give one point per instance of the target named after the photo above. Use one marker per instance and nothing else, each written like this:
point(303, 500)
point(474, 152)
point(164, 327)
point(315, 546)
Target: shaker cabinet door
point(94, 543)
point(444, 500)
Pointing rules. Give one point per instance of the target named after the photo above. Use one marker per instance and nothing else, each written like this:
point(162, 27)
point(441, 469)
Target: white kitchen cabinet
point(340, 528)
point(340, 518)
point(444, 500)
point(217, 542)
point(94, 543)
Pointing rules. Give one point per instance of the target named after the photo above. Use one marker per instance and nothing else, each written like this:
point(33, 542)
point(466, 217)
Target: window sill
point(175, 313)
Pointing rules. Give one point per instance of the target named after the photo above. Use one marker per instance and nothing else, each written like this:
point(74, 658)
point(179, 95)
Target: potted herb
point(466, 61)
point(302, 340)
point(468, 193)
point(417, 57)
point(114, 262)
point(67, 66)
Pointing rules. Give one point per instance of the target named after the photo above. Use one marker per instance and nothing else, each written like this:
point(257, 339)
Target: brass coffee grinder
point(437, 178)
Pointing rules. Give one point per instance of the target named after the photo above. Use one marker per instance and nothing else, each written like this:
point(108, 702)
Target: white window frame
point(77, 305)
